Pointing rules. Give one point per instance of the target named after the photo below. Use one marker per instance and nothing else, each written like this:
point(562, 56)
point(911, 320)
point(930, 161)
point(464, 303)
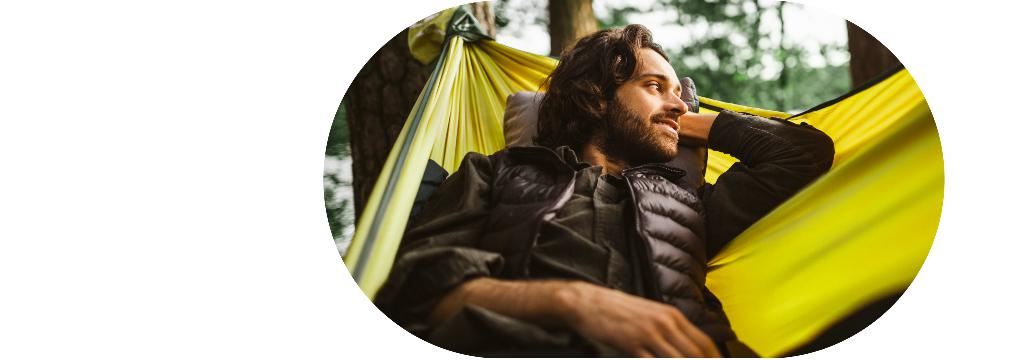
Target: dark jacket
point(675, 226)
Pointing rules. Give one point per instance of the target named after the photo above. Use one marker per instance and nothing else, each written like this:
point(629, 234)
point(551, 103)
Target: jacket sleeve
point(438, 252)
point(777, 158)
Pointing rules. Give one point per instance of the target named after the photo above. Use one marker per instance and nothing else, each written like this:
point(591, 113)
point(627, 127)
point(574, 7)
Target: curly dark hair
point(583, 84)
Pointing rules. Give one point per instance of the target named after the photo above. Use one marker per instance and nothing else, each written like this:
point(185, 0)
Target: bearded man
point(589, 244)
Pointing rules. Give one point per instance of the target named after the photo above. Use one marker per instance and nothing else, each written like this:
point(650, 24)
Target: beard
point(628, 137)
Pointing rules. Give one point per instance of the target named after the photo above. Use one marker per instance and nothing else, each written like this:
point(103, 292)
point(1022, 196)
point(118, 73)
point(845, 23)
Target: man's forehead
point(652, 64)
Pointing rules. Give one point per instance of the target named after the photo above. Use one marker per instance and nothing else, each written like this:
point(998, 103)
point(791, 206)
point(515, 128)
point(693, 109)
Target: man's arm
point(694, 128)
point(439, 251)
point(777, 158)
point(634, 325)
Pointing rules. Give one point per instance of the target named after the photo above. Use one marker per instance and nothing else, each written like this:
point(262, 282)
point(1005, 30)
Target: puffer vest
point(532, 183)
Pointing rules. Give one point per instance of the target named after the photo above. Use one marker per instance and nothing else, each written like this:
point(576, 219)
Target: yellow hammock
point(859, 233)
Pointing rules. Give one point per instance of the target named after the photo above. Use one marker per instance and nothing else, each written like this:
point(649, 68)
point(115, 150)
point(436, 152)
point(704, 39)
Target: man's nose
point(677, 105)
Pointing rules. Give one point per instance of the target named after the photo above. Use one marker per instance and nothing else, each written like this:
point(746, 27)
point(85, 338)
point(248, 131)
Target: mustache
point(668, 115)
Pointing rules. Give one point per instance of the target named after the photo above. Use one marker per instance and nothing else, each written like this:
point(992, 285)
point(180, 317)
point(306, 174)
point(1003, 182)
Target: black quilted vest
point(532, 183)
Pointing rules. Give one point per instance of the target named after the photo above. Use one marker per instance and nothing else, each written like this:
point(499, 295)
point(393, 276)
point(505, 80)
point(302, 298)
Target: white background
point(161, 191)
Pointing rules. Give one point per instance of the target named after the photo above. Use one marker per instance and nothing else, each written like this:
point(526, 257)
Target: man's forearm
point(542, 302)
point(694, 128)
point(636, 326)
point(756, 140)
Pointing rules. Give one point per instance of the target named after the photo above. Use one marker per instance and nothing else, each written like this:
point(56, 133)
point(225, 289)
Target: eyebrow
point(661, 77)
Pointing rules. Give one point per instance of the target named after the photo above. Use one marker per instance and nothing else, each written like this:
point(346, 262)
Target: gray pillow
point(521, 118)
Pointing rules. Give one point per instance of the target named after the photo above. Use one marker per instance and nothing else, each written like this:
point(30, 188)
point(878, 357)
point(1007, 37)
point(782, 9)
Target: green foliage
point(512, 15)
point(730, 53)
point(617, 17)
point(338, 188)
point(735, 59)
point(337, 140)
point(339, 207)
point(807, 86)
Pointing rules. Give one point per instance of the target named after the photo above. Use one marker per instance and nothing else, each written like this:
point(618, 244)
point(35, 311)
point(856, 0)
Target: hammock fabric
point(858, 234)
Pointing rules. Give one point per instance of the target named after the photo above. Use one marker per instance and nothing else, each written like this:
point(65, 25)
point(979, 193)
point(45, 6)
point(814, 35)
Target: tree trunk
point(485, 15)
point(379, 100)
point(377, 104)
point(568, 21)
point(868, 57)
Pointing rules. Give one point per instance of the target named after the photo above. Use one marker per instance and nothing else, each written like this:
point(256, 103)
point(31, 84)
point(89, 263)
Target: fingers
point(687, 347)
point(714, 351)
point(698, 338)
point(670, 336)
point(643, 328)
point(663, 348)
point(643, 354)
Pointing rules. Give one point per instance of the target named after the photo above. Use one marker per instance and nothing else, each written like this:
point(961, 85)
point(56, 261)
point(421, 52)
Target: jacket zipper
point(654, 293)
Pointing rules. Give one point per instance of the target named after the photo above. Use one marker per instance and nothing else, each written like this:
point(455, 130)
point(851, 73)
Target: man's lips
point(671, 123)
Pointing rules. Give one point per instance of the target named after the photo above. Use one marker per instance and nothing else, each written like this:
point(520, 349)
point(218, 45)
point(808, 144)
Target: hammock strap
point(403, 153)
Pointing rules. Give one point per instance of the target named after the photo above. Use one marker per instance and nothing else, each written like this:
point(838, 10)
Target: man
point(588, 245)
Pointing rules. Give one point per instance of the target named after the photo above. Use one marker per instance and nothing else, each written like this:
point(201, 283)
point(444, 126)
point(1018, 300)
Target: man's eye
point(657, 86)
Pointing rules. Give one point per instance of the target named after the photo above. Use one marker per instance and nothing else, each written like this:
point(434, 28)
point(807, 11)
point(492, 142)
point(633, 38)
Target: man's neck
point(593, 155)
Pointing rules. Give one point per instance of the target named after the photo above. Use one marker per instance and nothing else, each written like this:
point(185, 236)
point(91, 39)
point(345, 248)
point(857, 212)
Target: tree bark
point(485, 15)
point(379, 101)
point(377, 104)
point(868, 57)
point(568, 21)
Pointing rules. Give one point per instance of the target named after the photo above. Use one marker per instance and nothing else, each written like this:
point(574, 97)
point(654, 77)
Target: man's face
point(642, 124)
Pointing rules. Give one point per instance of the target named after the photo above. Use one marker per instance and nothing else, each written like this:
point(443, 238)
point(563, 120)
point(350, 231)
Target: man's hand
point(634, 325)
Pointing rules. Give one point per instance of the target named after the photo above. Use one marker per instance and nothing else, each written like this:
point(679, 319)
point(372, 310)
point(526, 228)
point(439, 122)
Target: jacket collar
point(568, 157)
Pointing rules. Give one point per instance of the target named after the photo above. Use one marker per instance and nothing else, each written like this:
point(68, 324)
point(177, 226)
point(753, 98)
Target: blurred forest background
point(763, 53)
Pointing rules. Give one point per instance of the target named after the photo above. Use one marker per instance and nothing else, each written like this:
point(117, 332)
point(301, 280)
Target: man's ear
point(602, 106)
